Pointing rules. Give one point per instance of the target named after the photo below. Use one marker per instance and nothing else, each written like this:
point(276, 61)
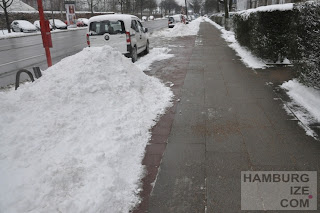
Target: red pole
point(44, 34)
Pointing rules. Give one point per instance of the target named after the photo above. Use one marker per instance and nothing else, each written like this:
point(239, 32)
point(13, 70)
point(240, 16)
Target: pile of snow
point(276, 7)
point(73, 141)
point(180, 29)
point(305, 102)
point(156, 54)
point(246, 56)
point(6, 34)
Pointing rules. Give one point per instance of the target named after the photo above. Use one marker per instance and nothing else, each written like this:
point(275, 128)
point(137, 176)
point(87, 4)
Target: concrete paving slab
point(180, 185)
point(233, 122)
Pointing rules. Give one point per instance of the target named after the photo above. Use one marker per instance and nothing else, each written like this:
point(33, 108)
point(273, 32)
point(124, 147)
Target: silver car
point(22, 26)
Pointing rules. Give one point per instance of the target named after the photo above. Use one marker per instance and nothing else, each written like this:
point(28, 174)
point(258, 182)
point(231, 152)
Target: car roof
point(126, 18)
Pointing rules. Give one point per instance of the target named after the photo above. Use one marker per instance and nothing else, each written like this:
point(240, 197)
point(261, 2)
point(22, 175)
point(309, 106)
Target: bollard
point(18, 76)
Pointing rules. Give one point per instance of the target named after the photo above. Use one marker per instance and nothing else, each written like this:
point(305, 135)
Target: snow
point(246, 56)
point(180, 29)
point(276, 7)
point(305, 102)
point(57, 22)
point(19, 6)
point(115, 17)
point(155, 54)
point(25, 25)
point(73, 140)
point(5, 34)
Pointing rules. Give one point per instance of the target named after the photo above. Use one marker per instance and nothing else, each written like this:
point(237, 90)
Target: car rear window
point(111, 27)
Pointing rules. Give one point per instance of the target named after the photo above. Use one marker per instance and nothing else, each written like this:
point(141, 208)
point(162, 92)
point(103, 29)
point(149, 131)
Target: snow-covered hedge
point(266, 31)
point(288, 31)
point(306, 50)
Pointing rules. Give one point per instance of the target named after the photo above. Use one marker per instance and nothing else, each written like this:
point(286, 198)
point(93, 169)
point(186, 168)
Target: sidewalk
point(228, 121)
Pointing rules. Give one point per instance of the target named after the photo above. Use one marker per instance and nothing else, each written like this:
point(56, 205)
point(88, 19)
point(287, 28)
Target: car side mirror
point(145, 30)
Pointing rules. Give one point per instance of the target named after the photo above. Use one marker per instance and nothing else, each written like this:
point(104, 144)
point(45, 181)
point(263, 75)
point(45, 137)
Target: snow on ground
point(246, 56)
point(73, 141)
point(305, 103)
point(276, 7)
point(180, 29)
point(155, 54)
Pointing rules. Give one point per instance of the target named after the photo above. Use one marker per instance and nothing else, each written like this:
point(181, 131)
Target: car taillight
point(128, 37)
point(88, 40)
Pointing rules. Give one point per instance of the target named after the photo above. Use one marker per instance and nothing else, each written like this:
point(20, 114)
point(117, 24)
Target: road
point(26, 52)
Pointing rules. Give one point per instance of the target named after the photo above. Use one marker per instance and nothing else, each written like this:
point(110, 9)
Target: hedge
point(276, 35)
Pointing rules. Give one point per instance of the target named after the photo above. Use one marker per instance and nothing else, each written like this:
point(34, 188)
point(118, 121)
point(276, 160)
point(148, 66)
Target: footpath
point(227, 121)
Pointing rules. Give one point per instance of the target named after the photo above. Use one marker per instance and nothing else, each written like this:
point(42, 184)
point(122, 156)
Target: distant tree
point(211, 6)
point(5, 4)
point(196, 6)
point(169, 6)
point(140, 6)
point(151, 5)
point(92, 4)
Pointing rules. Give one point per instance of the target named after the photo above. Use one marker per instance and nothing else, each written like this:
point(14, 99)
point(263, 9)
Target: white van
point(120, 31)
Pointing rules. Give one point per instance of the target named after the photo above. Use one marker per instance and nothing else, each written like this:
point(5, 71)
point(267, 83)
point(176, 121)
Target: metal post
point(44, 33)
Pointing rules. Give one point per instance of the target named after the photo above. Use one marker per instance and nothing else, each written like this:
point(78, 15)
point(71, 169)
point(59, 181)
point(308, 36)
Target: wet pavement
point(228, 119)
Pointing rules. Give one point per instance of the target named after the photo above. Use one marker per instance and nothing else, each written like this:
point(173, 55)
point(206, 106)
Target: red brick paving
point(173, 70)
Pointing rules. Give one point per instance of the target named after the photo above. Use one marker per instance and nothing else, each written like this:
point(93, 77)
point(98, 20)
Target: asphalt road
point(26, 52)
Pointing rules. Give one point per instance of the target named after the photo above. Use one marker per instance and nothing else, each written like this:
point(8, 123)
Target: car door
point(108, 32)
point(142, 37)
point(137, 34)
point(15, 26)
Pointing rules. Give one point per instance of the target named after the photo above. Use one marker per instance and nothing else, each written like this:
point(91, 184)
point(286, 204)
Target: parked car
point(172, 20)
point(22, 26)
point(151, 18)
point(37, 25)
point(82, 22)
point(58, 24)
point(122, 32)
point(144, 18)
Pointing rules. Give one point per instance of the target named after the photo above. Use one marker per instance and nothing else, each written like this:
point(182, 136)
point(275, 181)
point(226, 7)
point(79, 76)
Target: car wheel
point(146, 51)
point(134, 55)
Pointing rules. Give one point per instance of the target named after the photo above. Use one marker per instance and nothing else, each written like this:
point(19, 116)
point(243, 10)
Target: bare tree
point(152, 4)
point(196, 6)
point(92, 4)
point(5, 4)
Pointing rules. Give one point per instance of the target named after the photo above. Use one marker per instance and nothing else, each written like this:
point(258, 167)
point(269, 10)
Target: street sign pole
point(45, 33)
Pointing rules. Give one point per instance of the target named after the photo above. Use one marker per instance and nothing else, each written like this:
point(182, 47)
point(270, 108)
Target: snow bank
point(180, 29)
point(276, 7)
point(305, 102)
point(156, 54)
point(73, 141)
point(246, 56)
point(5, 34)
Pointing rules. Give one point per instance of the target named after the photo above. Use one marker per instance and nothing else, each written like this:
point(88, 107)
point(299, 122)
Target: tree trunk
point(226, 9)
point(230, 5)
point(91, 7)
point(141, 8)
point(7, 19)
